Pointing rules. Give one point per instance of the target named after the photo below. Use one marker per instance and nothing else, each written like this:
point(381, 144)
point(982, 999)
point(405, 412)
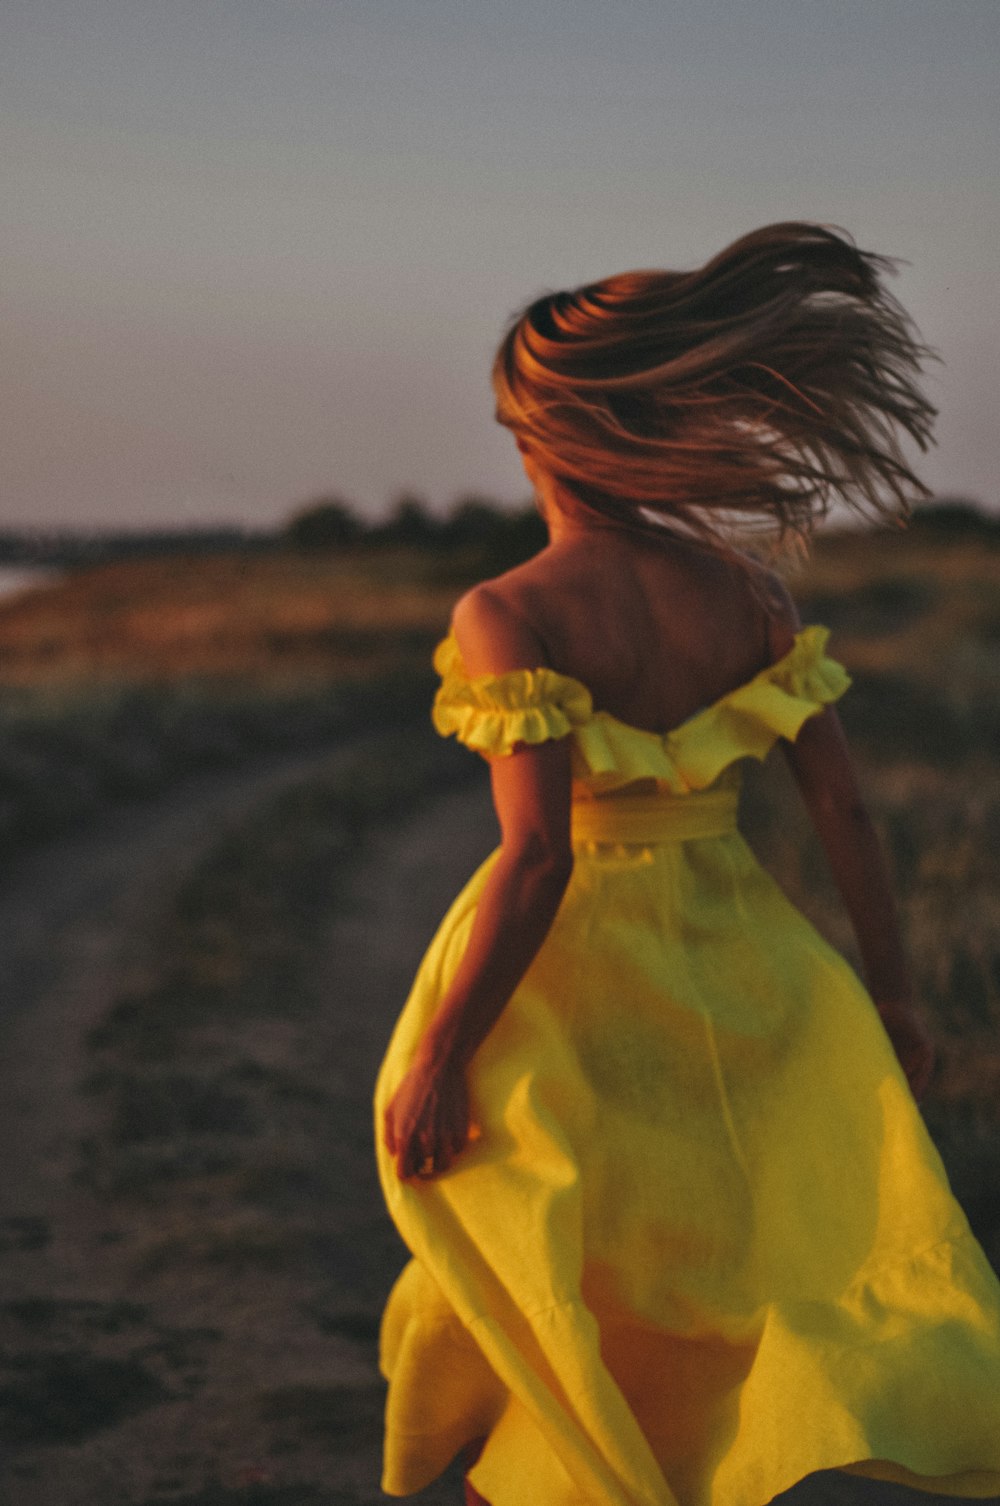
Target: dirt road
point(204, 1350)
point(126, 1384)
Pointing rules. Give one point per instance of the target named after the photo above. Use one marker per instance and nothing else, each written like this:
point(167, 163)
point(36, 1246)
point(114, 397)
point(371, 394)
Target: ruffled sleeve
point(493, 713)
point(807, 673)
point(749, 720)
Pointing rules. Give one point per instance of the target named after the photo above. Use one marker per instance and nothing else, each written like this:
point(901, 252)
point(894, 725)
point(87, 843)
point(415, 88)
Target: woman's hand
point(426, 1124)
point(910, 1041)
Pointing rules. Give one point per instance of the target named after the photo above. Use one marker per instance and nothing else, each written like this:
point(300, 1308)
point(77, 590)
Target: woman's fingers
point(921, 1071)
point(426, 1124)
point(427, 1152)
point(417, 1151)
point(922, 1057)
point(409, 1156)
point(457, 1139)
point(912, 1043)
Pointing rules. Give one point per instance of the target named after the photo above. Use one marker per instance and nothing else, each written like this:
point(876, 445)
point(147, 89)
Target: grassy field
point(124, 678)
point(917, 621)
point(228, 1139)
point(254, 617)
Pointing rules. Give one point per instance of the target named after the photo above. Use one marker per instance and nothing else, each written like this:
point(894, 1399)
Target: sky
point(257, 252)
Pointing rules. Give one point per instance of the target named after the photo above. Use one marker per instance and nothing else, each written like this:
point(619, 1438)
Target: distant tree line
point(326, 523)
point(474, 522)
point(957, 515)
point(69, 548)
point(474, 525)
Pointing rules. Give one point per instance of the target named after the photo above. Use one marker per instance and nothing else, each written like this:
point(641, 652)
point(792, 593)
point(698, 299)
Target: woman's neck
point(566, 530)
point(568, 523)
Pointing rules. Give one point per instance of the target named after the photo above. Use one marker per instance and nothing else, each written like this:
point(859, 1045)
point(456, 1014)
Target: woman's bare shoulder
point(783, 620)
point(492, 631)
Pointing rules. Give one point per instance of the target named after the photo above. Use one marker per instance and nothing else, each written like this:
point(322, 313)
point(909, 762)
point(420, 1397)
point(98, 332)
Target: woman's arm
point(823, 770)
point(427, 1121)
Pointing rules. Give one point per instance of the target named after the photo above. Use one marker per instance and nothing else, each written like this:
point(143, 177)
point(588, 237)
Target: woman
point(679, 1234)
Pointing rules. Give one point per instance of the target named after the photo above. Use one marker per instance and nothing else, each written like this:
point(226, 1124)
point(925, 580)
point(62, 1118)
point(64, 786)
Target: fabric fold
point(854, 1357)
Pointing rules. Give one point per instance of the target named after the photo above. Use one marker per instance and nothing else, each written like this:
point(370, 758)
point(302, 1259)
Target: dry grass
point(230, 1140)
point(215, 645)
point(259, 617)
point(916, 619)
point(915, 604)
point(125, 676)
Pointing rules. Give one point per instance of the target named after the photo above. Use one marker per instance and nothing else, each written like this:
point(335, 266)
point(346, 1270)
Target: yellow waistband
point(647, 819)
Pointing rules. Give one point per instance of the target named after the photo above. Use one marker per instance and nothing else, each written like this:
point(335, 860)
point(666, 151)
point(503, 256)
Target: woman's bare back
point(655, 630)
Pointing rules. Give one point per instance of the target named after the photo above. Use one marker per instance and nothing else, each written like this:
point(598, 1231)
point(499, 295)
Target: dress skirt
point(702, 1245)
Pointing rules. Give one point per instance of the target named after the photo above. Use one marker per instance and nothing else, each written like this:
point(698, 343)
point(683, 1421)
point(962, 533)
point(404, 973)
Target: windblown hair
point(750, 392)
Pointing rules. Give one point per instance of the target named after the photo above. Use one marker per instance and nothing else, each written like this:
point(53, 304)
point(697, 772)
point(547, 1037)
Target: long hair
point(750, 392)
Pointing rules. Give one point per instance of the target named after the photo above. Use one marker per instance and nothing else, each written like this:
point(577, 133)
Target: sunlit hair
point(755, 390)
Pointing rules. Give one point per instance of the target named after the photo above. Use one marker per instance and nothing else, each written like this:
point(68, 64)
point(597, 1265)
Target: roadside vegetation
point(132, 674)
point(228, 1097)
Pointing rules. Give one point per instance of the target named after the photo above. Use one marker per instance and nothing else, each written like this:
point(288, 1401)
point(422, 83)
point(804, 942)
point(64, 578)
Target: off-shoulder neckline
point(804, 634)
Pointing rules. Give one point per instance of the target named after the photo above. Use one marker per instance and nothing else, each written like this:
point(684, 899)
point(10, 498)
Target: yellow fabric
point(648, 819)
point(703, 1246)
point(493, 713)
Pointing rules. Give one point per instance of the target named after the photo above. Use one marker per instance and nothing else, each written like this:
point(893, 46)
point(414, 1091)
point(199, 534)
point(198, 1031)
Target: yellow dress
point(704, 1245)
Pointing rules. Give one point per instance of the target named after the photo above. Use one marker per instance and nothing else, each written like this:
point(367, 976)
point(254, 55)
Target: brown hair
point(749, 391)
